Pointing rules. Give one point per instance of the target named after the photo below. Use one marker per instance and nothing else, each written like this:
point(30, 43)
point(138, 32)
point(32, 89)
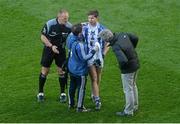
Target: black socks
point(63, 83)
point(42, 80)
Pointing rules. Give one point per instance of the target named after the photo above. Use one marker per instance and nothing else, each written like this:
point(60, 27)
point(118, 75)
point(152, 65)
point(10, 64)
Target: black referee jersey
point(56, 33)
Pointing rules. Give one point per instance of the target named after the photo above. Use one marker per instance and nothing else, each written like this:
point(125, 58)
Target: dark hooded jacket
point(123, 45)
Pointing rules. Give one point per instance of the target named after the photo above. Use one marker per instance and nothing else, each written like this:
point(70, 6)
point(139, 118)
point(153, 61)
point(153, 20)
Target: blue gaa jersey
point(78, 58)
point(90, 34)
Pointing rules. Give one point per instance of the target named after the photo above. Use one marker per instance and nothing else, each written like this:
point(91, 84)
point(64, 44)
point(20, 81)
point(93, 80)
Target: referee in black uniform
point(53, 35)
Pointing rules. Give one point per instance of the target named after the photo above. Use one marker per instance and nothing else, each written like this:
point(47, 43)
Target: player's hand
point(55, 50)
point(107, 44)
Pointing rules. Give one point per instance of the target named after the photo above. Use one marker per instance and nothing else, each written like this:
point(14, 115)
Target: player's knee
point(94, 79)
point(62, 78)
point(62, 75)
point(45, 71)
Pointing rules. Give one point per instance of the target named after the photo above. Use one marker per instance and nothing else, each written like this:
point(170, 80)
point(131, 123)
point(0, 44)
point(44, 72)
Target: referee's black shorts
point(48, 56)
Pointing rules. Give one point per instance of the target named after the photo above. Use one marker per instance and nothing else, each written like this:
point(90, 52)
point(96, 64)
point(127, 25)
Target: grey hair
point(106, 35)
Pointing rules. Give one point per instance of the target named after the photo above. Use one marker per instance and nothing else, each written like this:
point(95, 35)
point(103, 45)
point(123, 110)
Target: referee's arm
point(48, 44)
point(44, 33)
point(46, 41)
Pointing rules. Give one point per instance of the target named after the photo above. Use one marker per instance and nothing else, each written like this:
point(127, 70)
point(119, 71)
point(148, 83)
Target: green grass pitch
point(156, 22)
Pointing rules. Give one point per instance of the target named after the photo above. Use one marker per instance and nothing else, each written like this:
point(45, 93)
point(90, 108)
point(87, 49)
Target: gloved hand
point(96, 46)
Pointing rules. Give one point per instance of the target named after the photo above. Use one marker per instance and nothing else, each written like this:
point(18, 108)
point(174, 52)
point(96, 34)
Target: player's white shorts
point(97, 59)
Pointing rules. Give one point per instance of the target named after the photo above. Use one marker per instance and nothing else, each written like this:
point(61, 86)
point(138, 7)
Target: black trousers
point(79, 83)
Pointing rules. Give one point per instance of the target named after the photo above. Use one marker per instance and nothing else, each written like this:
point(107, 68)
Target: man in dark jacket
point(123, 45)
